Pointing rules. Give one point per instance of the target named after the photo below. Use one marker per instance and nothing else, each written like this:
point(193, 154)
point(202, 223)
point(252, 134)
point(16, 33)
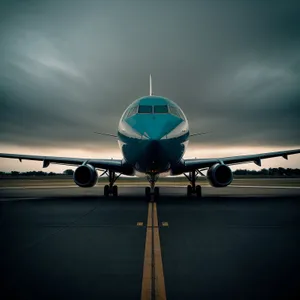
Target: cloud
point(71, 69)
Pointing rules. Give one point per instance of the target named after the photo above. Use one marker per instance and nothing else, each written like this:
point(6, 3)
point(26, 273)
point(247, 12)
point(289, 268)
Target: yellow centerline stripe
point(160, 290)
point(153, 256)
point(147, 273)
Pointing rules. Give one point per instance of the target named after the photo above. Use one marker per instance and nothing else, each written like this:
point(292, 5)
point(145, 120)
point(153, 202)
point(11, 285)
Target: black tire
point(189, 190)
point(156, 192)
point(106, 190)
point(198, 191)
point(147, 191)
point(115, 191)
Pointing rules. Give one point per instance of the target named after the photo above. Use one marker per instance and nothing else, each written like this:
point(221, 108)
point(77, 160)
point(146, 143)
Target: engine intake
point(85, 176)
point(219, 175)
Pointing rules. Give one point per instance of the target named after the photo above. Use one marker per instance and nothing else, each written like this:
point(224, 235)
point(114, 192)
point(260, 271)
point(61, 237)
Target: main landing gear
point(192, 188)
point(152, 190)
point(111, 189)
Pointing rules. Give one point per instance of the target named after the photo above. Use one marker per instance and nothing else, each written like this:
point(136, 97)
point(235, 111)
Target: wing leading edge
point(194, 164)
point(116, 165)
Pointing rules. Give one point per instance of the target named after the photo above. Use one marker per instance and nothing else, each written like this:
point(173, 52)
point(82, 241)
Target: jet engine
point(85, 176)
point(219, 175)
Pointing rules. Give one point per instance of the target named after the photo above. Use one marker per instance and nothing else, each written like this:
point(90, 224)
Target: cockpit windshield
point(154, 109)
point(161, 109)
point(176, 112)
point(132, 111)
point(145, 109)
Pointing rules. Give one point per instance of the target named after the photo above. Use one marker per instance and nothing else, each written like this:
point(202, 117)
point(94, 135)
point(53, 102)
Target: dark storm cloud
point(68, 68)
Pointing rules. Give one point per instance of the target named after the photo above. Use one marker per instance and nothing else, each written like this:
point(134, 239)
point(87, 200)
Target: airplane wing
point(116, 165)
point(194, 164)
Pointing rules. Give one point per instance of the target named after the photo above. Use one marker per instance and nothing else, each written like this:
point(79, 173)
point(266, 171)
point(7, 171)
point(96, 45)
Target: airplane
point(153, 134)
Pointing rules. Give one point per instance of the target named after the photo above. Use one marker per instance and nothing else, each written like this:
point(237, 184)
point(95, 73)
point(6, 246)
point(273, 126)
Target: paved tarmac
point(72, 243)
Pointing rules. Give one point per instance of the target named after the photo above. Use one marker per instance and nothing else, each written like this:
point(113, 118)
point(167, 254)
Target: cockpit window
point(161, 109)
point(145, 109)
point(132, 111)
point(176, 112)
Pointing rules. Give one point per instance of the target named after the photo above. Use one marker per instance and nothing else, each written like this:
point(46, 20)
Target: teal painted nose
point(154, 127)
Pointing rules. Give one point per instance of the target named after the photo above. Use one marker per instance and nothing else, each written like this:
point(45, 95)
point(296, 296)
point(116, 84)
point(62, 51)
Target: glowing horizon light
point(193, 151)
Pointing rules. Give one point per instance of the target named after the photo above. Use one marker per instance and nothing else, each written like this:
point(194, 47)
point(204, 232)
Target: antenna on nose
point(151, 93)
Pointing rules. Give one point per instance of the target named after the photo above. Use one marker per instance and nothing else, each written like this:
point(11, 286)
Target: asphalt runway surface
point(72, 243)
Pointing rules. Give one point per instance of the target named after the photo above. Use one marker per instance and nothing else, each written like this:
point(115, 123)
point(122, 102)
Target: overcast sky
point(69, 68)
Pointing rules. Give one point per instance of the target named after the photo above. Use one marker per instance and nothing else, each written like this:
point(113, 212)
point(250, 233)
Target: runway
point(234, 243)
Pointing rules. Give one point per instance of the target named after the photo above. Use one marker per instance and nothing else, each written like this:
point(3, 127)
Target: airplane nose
point(159, 128)
point(156, 156)
point(153, 146)
point(154, 134)
point(154, 127)
point(153, 154)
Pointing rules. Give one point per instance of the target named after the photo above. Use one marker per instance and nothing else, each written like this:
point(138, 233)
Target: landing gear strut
point(152, 190)
point(192, 188)
point(111, 189)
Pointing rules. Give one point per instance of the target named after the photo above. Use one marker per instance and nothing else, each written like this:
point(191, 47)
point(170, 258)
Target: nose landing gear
point(152, 190)
point(147, 191)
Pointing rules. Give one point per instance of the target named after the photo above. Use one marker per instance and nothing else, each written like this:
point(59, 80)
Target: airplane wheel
point(106, 190)
point(147, 191)
point(156, 192)
point(189, 190)
point(198, 191)
point(115, 190)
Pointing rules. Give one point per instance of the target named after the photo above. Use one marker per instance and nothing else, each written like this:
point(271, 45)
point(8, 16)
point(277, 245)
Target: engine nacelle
point(85, 176)
point(219, 175)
